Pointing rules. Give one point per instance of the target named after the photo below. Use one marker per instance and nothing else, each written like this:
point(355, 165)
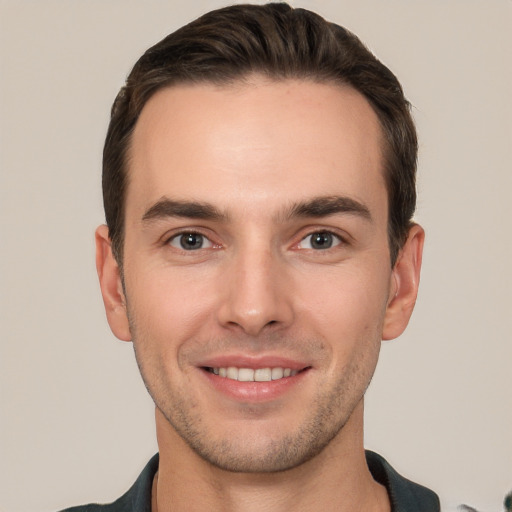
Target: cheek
point(348, 304)
point(167, 308)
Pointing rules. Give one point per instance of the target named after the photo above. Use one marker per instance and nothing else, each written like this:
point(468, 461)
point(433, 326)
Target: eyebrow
point(324, 206)
point(317, 207)
point(166, 207)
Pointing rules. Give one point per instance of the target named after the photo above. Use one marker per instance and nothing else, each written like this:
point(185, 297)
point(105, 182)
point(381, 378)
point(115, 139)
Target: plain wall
point(76, 422)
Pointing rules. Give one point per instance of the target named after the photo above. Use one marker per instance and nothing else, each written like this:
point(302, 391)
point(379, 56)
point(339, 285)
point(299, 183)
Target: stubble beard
point(330, 412)
point(282, 453)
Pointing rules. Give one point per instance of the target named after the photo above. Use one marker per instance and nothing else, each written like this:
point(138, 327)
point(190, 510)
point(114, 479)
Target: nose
point(257, 294)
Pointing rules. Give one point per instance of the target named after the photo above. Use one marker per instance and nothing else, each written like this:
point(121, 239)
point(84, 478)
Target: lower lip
point(254, 391)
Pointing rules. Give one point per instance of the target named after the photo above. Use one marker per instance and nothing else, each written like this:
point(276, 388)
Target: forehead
point(255, 141)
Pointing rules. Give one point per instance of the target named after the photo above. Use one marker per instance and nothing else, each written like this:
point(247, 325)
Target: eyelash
point(335, 240)
point(189, 232)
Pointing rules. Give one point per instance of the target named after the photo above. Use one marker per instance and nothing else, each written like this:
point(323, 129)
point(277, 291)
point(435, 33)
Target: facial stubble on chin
point(331, 409)
point(280, 454)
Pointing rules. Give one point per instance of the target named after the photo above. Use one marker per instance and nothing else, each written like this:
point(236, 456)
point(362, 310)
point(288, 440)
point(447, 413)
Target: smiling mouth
point(254, 375)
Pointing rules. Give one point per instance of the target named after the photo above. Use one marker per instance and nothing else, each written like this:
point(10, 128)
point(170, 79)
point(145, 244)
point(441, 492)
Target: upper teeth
point(258, 375)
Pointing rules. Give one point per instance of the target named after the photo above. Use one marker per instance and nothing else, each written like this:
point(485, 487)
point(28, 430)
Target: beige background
point(76, 424)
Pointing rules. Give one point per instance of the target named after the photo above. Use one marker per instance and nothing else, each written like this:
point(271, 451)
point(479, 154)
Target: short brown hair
point(279, 42)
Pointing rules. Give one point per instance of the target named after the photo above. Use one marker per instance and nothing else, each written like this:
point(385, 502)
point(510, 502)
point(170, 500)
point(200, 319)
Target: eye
point(190, 241)
point(320, 240)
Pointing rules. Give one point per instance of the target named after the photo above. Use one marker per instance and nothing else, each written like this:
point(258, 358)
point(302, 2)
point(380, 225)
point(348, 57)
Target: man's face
point(256, 246)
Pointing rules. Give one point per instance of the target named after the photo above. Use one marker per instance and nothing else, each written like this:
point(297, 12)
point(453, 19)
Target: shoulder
point(93, 507)
point(136, 499)
point(123, 504)
point(405, 495)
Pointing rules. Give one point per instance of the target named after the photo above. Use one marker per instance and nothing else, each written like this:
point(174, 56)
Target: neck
point(336, 479)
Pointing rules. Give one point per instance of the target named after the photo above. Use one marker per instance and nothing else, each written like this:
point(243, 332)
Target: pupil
point(321, 241)
point(191, 241)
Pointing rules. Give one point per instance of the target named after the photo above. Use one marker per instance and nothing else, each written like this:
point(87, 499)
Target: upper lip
point(254, 362)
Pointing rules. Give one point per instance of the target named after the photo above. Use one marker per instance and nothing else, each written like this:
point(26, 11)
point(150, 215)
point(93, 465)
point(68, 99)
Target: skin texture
point(257, 171)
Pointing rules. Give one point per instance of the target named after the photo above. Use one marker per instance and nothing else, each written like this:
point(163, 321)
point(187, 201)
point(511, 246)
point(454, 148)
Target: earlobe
point(404, 286)
point(111, 285)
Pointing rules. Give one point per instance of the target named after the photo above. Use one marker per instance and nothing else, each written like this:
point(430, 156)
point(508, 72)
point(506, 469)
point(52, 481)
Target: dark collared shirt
point(404, 495)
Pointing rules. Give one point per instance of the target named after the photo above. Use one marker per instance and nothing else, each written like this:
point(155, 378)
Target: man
point(259, 186)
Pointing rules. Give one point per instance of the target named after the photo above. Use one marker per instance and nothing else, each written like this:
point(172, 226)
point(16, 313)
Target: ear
point(111, 285)
point(405, 279)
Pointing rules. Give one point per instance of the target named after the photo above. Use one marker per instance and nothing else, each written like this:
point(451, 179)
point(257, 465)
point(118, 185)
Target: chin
point(257, 449)
point(275, 456)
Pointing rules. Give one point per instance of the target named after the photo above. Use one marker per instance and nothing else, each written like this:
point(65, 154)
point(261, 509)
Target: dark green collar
point(405, 496)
